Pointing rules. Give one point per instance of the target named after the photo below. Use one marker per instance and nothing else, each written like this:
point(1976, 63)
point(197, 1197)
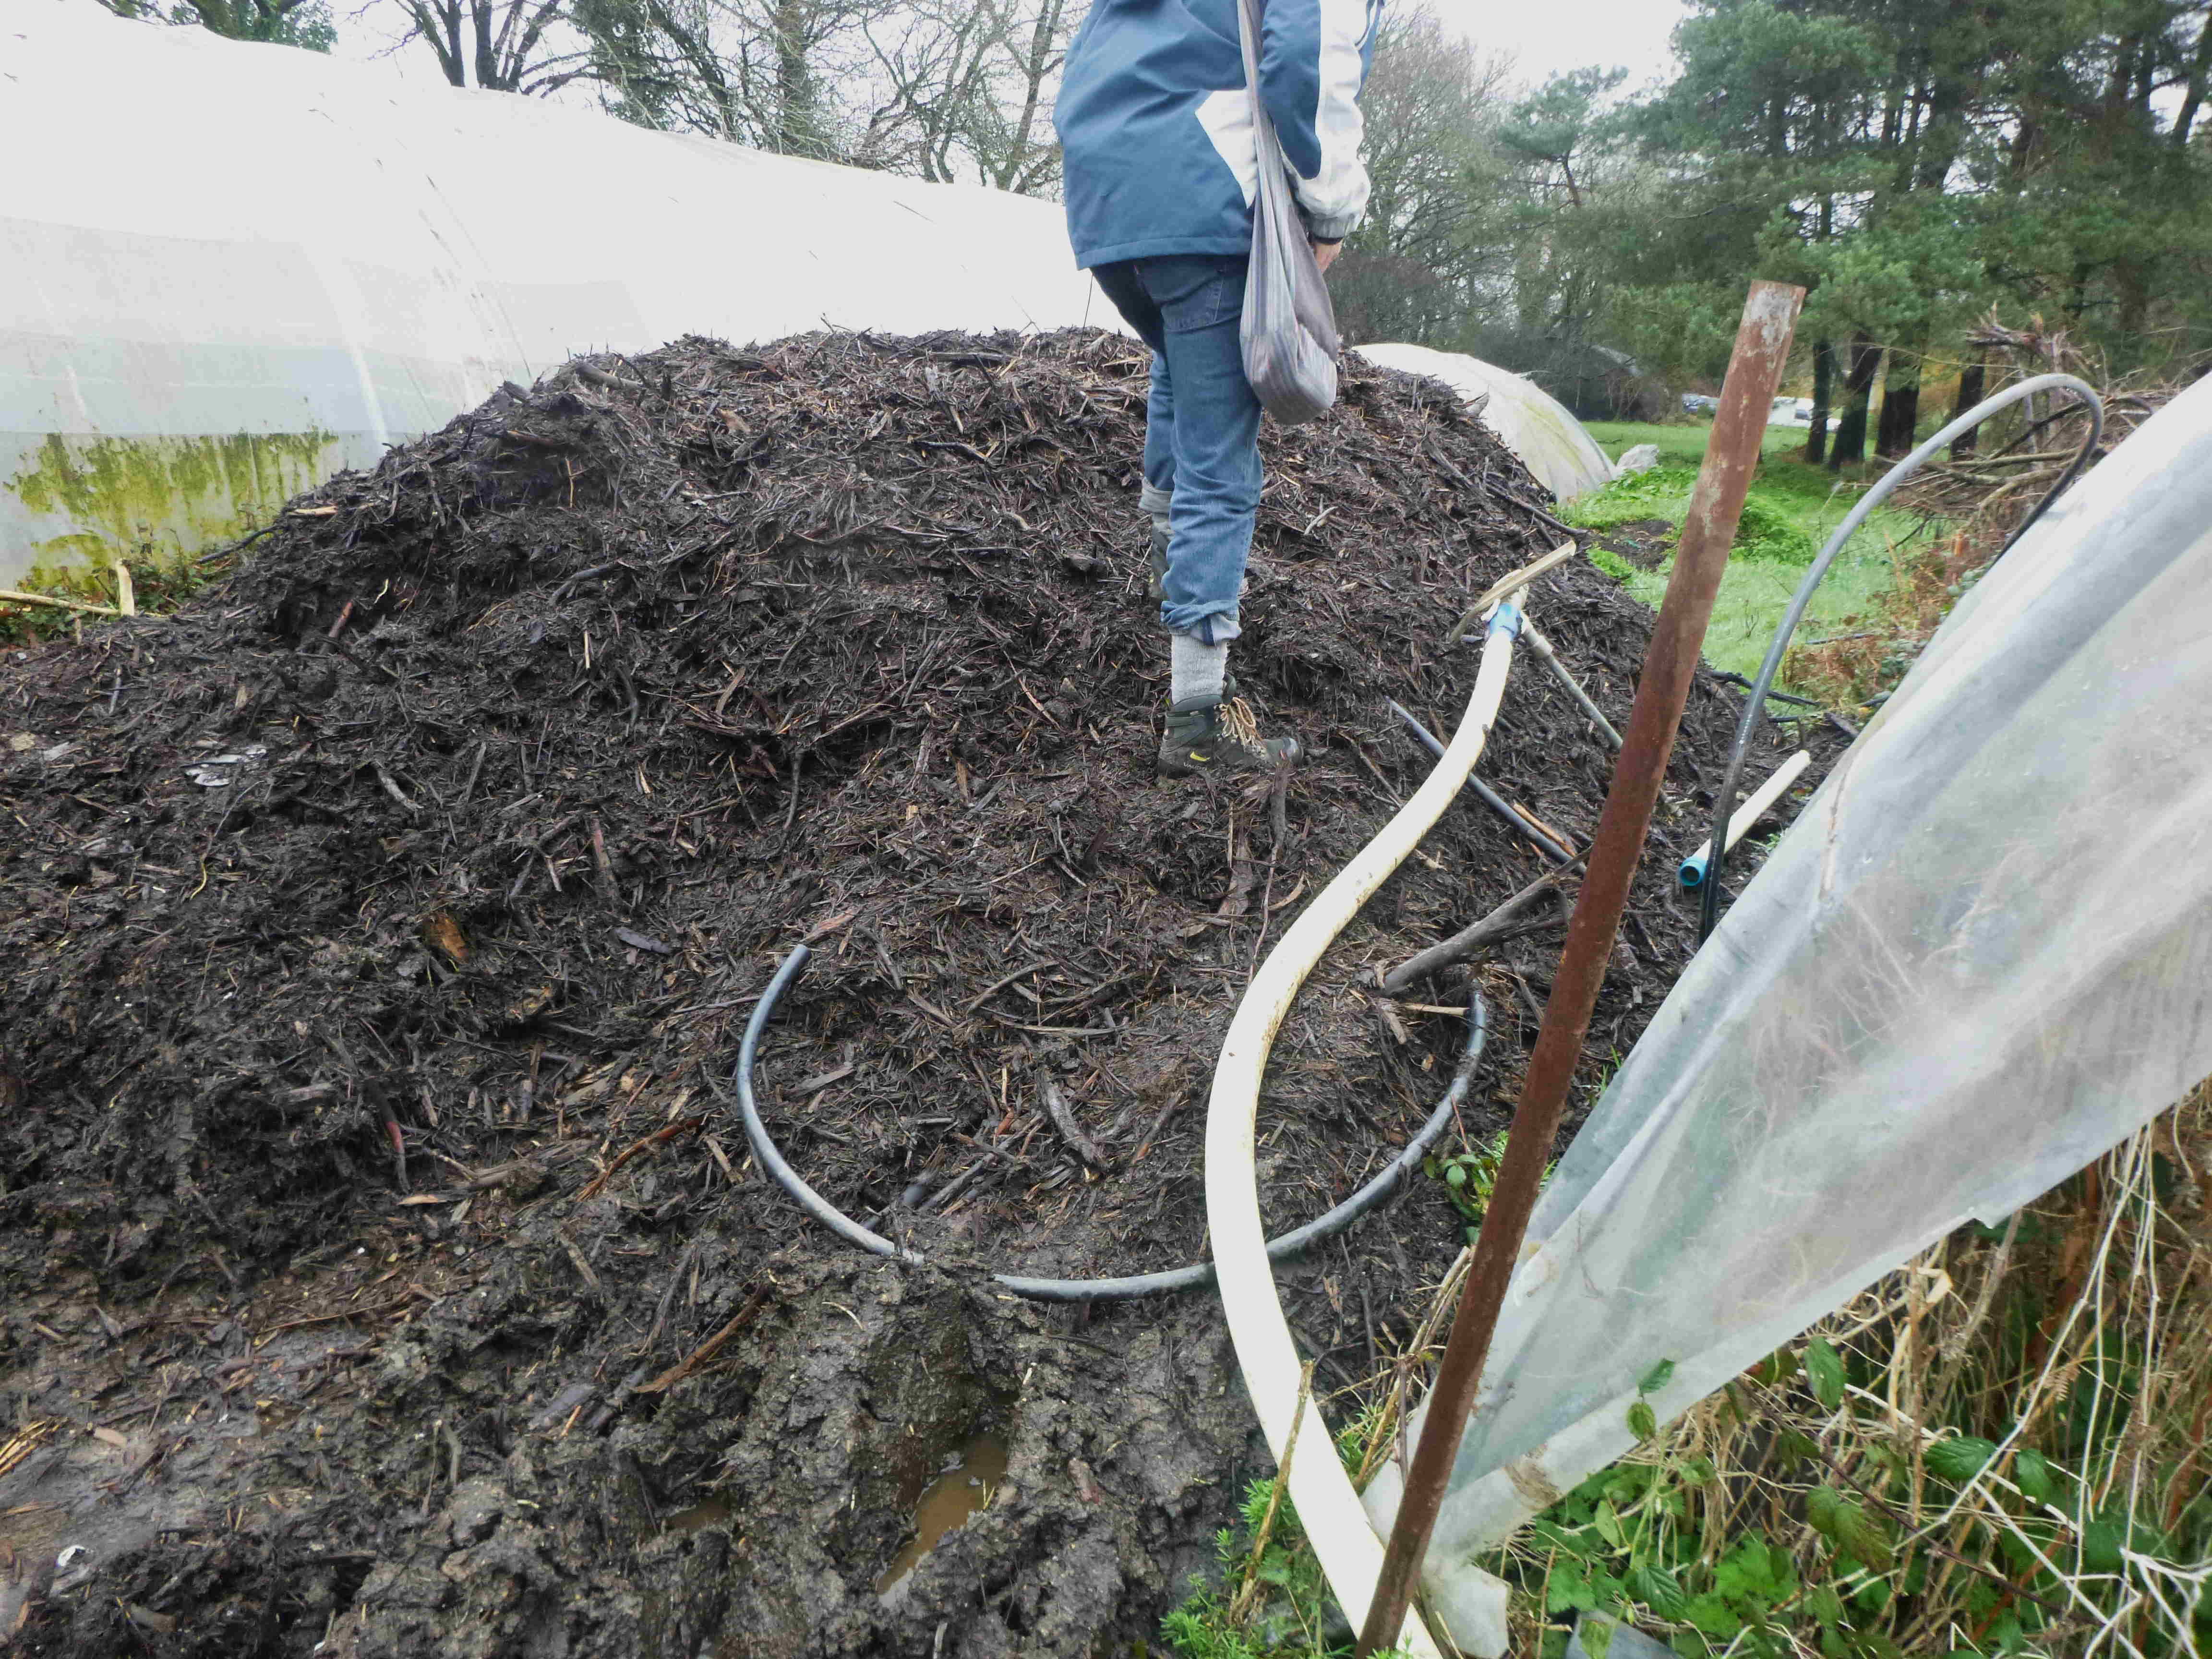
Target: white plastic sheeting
point(1534, 424)
point(1981, 958)
point(232, 268)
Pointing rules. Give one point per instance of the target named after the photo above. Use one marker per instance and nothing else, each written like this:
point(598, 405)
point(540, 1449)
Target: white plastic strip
point(1328, 1509)
point(1692, 872)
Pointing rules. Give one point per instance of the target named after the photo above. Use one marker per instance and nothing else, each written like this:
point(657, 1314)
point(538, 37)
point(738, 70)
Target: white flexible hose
point(1327, 1507)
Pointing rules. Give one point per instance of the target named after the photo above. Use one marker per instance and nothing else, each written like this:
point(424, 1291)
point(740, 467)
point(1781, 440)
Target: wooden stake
point(1762, 347)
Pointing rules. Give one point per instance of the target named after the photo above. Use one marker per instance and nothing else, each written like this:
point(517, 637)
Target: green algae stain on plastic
point(157, 499)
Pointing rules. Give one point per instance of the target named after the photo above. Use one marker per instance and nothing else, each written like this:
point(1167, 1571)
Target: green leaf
point(1659, 1589)
point(1570, 1590)
point(1824, 1369)
point(1455, 1174)
point(1850, 1528)
point(1823, 1504)
point(2102, 1541)
point(1782, 1568)
point(1959, 1459)
point(1607, 1523)
point(1823, 1605)
point(2031, 1473)
point(1641, 1422)
point(1574, 1542)
point(1748, 1572)
point(1658, 1377)
point(1715, 1615)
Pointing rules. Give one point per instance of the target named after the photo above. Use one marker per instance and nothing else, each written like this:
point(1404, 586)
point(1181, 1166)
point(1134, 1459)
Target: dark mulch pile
point(375, 936)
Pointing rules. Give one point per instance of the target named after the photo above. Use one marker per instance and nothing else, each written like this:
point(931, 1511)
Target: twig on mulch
point(707, 1350)
point(1508, 920)
point(658, 1137)
point(1055, 1106)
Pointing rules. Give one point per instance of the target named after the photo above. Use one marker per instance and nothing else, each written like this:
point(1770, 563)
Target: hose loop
point(1125, 1288)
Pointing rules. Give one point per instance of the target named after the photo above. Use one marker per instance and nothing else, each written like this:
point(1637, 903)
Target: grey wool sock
point(1194, 668)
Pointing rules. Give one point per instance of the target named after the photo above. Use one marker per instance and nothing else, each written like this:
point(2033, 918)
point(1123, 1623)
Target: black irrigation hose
point(1092, 1290)
point(1489, 797)
point(1728, 676)
point(1709, 899)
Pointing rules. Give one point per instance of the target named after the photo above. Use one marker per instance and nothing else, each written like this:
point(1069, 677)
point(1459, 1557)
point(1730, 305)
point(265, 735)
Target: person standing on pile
point(1160, 168)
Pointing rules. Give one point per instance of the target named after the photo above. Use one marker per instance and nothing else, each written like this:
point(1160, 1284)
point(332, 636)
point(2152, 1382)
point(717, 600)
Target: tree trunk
point(1900, 404)
point(1971, 378)
point(1859, 384)
point(795, 90)
point(1824, 370)
point(2200, 67)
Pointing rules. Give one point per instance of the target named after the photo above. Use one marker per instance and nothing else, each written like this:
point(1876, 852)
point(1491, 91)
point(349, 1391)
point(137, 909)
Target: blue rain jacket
point(1156, 125)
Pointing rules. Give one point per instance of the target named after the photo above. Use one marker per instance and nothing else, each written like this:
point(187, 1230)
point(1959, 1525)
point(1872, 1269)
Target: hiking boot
point(1217, 734)
point(1156, 586)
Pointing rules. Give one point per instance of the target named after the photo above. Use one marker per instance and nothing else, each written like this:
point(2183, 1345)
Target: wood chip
point(1055, 1106)
point(707, 1350)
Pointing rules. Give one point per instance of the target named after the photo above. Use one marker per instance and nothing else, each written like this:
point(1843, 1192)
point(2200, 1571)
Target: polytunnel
point(1536, 426)
point(1980, 958)
point(186, 346)
point(185, 343)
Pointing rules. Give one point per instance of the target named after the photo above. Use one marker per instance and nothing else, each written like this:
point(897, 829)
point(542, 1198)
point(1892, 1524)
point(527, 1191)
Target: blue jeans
point(1201, 427)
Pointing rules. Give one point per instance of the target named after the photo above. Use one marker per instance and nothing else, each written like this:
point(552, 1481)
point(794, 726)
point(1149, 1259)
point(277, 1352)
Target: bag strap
point(1248, 15)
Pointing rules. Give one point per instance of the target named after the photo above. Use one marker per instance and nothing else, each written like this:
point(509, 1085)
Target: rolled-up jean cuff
point(1215, 628)
point(1154, 500)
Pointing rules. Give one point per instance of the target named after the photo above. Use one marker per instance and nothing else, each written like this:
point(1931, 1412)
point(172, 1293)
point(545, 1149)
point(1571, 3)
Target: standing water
point(949, 1500)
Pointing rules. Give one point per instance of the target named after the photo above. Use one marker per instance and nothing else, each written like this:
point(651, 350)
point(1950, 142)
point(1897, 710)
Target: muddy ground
point(385, 1266)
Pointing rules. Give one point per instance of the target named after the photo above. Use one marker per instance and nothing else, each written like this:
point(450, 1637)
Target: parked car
point(1695, 403)
point(1790, 411)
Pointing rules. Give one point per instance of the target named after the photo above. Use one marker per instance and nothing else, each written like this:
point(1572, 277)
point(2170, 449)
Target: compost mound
point(387, 1268)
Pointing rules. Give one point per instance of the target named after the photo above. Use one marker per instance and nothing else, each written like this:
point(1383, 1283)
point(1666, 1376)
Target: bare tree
point(967, 89)
point(789, 75)
point(501, 46)
point(1433, 105)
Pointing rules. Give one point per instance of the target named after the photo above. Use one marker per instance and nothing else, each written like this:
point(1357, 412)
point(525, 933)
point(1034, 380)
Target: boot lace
point(1237, 721)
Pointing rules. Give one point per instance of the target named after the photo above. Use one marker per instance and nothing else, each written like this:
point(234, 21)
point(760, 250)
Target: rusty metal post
point(1762, 346)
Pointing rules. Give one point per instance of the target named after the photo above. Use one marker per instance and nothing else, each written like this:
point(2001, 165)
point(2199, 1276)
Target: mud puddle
point(949, 1501)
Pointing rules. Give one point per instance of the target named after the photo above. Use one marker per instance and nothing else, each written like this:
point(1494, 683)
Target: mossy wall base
point(77, 504)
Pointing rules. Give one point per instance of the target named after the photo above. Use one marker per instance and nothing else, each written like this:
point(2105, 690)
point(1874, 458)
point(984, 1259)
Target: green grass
point(1788, 516)
point(1683, 445)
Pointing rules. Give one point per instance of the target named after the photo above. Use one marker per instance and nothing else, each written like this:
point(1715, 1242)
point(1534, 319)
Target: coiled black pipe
point(1708, 898)
point(1090, 1289)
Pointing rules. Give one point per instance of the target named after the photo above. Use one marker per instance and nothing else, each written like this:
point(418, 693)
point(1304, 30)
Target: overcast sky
point(1549, 36)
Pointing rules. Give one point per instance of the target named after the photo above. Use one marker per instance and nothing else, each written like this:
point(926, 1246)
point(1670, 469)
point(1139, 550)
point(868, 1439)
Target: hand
point(1325, 254)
